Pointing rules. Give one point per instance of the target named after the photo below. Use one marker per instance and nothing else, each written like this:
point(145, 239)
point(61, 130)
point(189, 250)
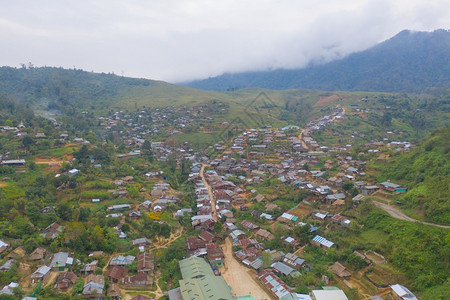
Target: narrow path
point(164, 243)
point(210, 193)
point(398, 214)
point(241, 279)
point(300, 137)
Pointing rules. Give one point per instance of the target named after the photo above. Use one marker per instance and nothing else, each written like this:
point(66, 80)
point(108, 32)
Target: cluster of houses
point(256, 144)
point(93, 284)
point(252, 157)
point(135, 127)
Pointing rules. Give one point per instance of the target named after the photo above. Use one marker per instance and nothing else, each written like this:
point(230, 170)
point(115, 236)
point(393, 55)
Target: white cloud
point(178, 40)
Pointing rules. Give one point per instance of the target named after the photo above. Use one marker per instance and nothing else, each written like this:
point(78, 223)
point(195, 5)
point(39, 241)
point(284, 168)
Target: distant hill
point(56, 88)
point(426, 173)
point(408, 62)
point(51, 92)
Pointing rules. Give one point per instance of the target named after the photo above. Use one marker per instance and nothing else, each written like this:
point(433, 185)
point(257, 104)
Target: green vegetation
point(426, 173)
point(397, 117)
point(121, 157)
point(420, 251)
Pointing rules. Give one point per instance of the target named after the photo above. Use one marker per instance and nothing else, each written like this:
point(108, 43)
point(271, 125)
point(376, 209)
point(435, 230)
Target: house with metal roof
point(273, 283)
point(401, 292)
point(14, 162)
point(285, 269)
point(322, 242)
point(393, 187)
point(328, 295)
point(200, 283)
point(119, 207)
point(238, 234)
point(3, 246)
point(293, 260)
point(341, 220)
point(9, 289)
point(94, 287)
point(295, 296)
point(121, 260)
point(40, 274)
point(61, 261)
point(286, 218)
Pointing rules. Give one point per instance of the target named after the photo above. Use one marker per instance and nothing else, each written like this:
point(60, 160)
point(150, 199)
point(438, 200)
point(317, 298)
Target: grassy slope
point(409, 117)
point(426, 173)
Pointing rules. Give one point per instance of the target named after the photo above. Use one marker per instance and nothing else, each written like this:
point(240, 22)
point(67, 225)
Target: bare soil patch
point(53, 163)
point(241, 279)
point(301, 211)
point(383, 275)
point(376, 259)
point(325, 100)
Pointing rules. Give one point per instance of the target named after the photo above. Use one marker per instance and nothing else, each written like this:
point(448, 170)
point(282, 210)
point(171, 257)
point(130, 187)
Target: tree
point(27, 141)
point(64, 211)
point(217, 228)
point(266, 259)
point(30, 245)
point(125, 228)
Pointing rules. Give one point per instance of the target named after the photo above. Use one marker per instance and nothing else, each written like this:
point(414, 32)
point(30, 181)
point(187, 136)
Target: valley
point(162, 191)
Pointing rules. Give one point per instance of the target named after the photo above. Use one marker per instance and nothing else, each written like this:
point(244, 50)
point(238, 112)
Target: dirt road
point(398, 214)
point(210, 193)
point(241, 279)
point(300, 137)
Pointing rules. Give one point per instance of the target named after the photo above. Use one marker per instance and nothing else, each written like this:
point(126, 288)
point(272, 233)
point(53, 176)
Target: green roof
point(330, 288)
point(200, 283)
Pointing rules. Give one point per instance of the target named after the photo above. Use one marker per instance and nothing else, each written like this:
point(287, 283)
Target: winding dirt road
point(210, 193)
point(398, 214)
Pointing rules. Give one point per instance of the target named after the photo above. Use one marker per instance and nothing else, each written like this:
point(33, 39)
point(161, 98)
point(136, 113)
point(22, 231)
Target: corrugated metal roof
point(283, 268)
point(323, 241)
point(199, 281)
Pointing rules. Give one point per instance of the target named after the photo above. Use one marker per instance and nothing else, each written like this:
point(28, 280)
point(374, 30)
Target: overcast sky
point(178, 40)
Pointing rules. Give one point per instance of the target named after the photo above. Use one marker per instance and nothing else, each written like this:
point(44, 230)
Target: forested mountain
point(62, 85)
point(61, 90)
point(408, 62)
point(426, 173)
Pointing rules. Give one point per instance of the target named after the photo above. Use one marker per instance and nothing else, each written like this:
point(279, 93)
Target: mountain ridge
point(411, 61)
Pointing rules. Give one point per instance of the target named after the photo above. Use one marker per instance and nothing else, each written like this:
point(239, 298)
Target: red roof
point(116, 272)
point(194, 243)
point(206, 236)
point(145, 262)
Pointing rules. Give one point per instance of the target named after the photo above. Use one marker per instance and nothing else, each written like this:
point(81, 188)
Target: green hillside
point(426, 173)
point(61, 93)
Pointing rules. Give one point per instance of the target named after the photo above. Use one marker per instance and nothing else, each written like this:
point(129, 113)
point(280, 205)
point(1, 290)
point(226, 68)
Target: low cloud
point(178, 40)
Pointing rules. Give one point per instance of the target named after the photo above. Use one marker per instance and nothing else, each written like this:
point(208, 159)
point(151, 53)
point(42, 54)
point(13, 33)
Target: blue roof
point(323, 241)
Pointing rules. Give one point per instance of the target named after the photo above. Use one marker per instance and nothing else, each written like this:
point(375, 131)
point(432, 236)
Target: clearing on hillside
point(325, 100)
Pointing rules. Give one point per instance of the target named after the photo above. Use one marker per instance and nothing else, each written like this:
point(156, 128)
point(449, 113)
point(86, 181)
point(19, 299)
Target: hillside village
point(149, 216)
